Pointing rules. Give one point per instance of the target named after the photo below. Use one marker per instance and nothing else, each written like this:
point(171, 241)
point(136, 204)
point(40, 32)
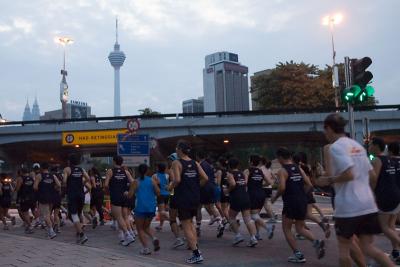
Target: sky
point(165, 42)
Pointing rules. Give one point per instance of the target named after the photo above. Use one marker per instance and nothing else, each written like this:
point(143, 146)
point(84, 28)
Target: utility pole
point(350, 108)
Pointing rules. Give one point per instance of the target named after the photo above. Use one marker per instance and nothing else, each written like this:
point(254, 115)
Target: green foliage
point(297, 85)
point(148, 111)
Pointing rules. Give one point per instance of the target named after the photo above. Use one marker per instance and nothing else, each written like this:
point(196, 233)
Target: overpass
point(212, 128)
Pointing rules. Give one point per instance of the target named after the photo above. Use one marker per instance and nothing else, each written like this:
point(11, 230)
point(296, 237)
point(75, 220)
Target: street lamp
point(64, 41)
point(330, 21)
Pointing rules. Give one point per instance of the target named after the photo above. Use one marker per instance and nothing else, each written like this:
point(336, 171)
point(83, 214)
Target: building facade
point(74, 109)
point(193, 105)
point(225, 83)
point(255, 94)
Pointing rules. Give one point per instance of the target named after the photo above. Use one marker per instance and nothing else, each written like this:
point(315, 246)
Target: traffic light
point(360, 90)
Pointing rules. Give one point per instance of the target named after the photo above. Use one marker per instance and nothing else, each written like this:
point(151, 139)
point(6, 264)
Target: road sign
point(135, 161)
point(133, 145)
point(90, 137)
point(133, 125)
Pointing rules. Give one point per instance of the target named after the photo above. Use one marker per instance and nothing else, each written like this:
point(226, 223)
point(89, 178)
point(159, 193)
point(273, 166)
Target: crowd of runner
point(366, 198)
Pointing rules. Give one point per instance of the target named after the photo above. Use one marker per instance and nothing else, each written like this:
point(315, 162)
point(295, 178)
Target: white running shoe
point(270, 230)
point(128, 240)
point(238, 239)
point(253, 242)
point(178, 243)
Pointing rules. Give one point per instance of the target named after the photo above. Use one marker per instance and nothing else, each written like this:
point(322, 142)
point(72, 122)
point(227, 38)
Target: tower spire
point(116, 30)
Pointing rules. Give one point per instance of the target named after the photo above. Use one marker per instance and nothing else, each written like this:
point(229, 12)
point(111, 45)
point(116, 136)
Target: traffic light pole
point(350, 108)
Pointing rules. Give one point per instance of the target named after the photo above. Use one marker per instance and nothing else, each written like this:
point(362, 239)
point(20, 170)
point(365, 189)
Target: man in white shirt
point(355, 207)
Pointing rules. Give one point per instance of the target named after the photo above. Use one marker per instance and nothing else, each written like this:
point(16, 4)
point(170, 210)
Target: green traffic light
point(369, 90)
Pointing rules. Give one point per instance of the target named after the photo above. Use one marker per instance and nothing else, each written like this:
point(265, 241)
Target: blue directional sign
point(133, 145)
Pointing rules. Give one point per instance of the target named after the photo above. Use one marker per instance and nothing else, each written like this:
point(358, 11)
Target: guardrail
point(215, 114)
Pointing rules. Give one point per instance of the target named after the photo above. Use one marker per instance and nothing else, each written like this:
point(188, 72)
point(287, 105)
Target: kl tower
point(116, 59)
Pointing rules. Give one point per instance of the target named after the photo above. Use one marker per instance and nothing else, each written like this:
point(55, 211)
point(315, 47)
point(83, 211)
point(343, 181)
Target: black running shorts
point(268, 192)
point(26, 205)
point(207, 194)
point(360, 225)
point(295, 209)
point(241, 203)
point(75, 204)
point(172, 202)
point(186, 214)
point(162, 199)
point(257, 201)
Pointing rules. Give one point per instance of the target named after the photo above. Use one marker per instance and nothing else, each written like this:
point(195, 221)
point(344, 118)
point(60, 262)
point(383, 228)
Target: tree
point(148, 111)
point(296, 85)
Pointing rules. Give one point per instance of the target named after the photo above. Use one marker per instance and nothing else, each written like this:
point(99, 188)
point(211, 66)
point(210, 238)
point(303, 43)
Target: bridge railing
point(277, 111)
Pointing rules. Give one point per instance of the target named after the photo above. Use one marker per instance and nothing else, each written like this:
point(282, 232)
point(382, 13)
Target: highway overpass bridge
point(27, 141)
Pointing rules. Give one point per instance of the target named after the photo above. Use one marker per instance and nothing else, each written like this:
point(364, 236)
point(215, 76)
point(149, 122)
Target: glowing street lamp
point(64, 41)
point(330, 21)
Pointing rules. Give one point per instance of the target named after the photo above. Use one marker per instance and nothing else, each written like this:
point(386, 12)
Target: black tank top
point(26, 191)
point(75, 182)
point(386, 190)
point(46, 187)
point(294, 183)
point(6, 190)
point(118, 183)
point(255, 180)
point(240, 187)
point(98, 182)
point(396, 162)
point(224, 178)
point(187, 192)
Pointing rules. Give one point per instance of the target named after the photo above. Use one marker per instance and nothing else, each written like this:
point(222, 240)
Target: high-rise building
point(74, 110)
point(117, 59)
point(27, 116)
point(225, 83)
point(193, 105)
point(255, 94)
point(35, 110)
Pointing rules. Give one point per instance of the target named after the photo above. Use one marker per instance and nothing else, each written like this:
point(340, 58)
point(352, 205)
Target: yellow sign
point(105, 137)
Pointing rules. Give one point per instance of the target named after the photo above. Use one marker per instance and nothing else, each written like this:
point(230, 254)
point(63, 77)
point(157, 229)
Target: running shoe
point(156, 244)
point(128, 240)
point(29, 230)
point(178, 243)
point(300, 237)
point(121, 237)
point(158, 228)
point(37, 224)
point(195, 259)
point(13, 221)
point(62, 223)
point(57, 229)
point(101, 223)
point(319, 246)
point(83, 239)
point(297, 257)
point(253, 242)
point(270, 230)
point(238, 239)
point(258, 237)
point(272, 220)
point(94, 222)
point(52, 234)
point(213, 220)
point(145, 251)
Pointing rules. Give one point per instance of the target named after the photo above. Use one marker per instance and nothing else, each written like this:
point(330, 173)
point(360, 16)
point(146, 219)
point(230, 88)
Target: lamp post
point(330, 21)
point(64, 41)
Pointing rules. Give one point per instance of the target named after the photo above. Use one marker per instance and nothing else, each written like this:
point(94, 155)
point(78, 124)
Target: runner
point(162, 200)
point(355, 208)
point(117, 180)
point(301, 160)
point(188, 176)
point(239, 202)
point(265, 166)
point(292, 181)
point(387, 193)
point(56, 207)
point(173, 208)
point(255, 180)
point(6, 190)
point(97, 197)
point(74, 179)
point(26, 195)
point(207, 193)
point(129, 205)
point(146, 190)
point(222, 181)
point(38, 218)
point(45, 185)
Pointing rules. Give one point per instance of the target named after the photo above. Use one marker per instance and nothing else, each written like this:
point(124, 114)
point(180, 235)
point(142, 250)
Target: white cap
point(36, 165)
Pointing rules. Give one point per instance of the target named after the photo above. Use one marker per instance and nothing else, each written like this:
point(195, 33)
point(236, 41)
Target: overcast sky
point(165, 42)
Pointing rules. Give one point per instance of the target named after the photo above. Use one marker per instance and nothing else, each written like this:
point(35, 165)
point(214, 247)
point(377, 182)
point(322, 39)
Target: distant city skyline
point(167, 40)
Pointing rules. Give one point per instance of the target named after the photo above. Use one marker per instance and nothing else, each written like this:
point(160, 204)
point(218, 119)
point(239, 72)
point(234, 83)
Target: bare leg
point(366, 245)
